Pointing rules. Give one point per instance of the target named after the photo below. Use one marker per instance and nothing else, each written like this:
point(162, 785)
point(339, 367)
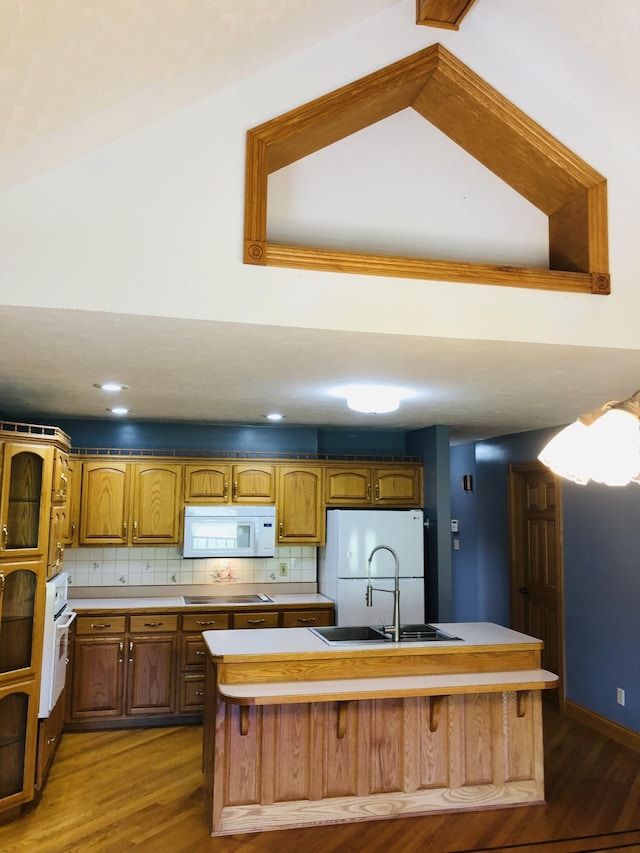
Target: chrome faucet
point(395, 628)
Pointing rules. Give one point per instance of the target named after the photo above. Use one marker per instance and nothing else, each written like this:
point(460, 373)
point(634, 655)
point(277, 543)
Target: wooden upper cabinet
point(104, 503)
point(301, 516)
point(397, 486)
point(24, 500)
point(157, 504)
point(212, 483)
point(72, 518)
point(131, 503)
point(380, 486)
point(60, 481)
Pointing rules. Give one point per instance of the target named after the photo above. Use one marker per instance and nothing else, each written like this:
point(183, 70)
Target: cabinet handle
point(225, 490)
point(130, 651)
point(201, 653)
point(256, 621)
point(153, 624)
point(210, 622)
point(51, 739)
point(124, 529)
point(121, 650)
point(281, 530)
point(101, 625)
point(135, 530)
point(377, 491)
point(1, 583)
point(369, 491)
point(305, 619)
point(5, 536)
point(235, 489)
point(73, 528)
point(198, 693)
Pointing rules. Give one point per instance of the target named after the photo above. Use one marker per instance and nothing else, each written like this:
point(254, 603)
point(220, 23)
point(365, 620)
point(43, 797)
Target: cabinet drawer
point(305, 618)
point(255, 620)
point(191, 693)
point(101, 624)
point(193, 652)
point(205, 621)
point(152, 623)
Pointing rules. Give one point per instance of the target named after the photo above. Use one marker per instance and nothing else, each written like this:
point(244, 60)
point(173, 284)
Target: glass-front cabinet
point(19, 608)
point(24, 515)
point(28, 494)
point(18, 728)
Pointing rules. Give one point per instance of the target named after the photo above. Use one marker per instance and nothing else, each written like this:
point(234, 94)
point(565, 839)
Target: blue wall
point(601, 570)
point(221, 438)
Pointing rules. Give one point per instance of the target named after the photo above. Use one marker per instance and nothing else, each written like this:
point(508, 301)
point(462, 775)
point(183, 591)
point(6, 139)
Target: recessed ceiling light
point(118, 410)
point(111, 386)
point(274, 416)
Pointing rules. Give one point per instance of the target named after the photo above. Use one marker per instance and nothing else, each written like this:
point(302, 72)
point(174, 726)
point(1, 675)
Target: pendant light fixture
point(603, 446)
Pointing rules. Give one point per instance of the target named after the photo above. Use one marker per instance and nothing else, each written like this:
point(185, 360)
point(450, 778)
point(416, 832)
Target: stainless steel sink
point(343, 635)
point(334, 634)
point(260, 598)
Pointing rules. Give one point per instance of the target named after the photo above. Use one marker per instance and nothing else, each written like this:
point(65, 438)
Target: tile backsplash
point(165, 567)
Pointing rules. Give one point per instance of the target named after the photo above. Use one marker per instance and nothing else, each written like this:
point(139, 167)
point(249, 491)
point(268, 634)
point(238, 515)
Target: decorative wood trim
point(446, 14)
point(602, 725)
point(490, 128)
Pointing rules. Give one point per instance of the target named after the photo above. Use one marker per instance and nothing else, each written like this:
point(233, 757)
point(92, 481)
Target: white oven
point(55, 647)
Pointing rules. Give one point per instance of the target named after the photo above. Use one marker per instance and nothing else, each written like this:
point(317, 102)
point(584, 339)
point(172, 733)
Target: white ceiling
point(129, 62)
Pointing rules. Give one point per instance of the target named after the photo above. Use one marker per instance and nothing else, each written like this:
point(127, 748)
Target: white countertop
point(173, 602)
point(245, 643)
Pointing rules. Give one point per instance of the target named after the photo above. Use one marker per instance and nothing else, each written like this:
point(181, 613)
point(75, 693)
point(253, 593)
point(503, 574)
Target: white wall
point(152, 223)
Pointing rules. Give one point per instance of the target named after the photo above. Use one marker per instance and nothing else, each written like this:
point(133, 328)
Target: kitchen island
point(298, 732)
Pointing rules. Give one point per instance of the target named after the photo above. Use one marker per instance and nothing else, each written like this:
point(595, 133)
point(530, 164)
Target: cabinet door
point(398, 486)
point(57, 527)
point(20, 607)
point(18, 733)
point(151, 675)
point(254, 484)
point(60, 480)
point(300, 506)
point(98, 667)
point(157, 504)
point(72, 519)
point(24, 500)
point(207, 483)
point(105, 503)
point(348, 486)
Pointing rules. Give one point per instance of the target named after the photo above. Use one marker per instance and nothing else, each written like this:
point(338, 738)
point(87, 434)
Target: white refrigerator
point(352, 534)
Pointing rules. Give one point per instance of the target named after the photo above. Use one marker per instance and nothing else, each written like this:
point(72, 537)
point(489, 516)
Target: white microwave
point(229, 531)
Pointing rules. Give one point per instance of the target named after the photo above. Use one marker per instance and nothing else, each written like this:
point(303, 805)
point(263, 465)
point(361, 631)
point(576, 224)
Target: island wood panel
point(368, 664)
point(297, 765)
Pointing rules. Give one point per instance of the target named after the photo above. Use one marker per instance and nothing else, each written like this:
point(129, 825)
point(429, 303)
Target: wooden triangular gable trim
point(485, 124)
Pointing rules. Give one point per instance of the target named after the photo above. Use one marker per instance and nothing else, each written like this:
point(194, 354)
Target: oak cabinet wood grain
point(130, 503)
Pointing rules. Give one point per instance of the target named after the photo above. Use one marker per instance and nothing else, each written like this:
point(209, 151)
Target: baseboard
point(602, 725)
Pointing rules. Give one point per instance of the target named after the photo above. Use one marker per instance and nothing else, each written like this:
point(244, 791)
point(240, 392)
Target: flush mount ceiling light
point(372, 399)
point(110, 386)
point(119, 410)
point(274, 416)
point(603, 446)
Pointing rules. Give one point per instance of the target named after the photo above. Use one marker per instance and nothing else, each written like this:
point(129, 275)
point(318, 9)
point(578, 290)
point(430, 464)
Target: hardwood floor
point(140, 790)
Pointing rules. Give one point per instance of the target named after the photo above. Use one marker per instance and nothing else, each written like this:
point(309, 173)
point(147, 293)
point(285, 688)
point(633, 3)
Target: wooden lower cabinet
point(49, 736)
point(192, 656)
point(122, 672)
point(148, 668)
